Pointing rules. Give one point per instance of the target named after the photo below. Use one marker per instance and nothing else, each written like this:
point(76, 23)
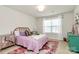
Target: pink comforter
point(32, 42)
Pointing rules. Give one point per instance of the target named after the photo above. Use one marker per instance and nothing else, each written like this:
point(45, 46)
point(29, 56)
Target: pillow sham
point(22, 34)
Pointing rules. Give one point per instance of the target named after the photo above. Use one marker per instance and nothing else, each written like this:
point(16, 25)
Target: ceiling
point(49, 9)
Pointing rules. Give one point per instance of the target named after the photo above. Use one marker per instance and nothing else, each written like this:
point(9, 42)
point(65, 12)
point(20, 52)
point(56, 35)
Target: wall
point(10, 19)
point(76, 10)
point(67, 23)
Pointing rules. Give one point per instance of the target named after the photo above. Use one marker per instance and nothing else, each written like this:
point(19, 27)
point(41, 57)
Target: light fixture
point(40, 8)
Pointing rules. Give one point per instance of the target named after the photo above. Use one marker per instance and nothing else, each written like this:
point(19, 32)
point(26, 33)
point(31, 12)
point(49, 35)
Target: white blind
point(52, 25)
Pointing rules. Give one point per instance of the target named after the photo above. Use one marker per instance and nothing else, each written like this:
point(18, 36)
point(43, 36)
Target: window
point(52, 25)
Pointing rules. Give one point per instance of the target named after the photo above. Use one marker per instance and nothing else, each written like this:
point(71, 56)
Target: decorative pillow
point(29, 32)
point(26, 33)
point(22, 34)
point(17, 33)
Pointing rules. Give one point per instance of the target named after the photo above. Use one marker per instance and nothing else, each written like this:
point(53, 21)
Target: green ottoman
point(73, 42)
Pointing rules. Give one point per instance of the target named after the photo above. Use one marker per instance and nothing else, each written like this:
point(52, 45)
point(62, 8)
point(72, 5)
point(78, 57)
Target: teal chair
point(73, 42)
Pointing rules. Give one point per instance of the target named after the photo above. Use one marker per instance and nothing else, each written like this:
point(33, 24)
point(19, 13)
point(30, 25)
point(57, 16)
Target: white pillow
point(17, 33)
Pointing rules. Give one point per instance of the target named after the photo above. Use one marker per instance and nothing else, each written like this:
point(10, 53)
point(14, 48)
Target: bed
point(32, 42)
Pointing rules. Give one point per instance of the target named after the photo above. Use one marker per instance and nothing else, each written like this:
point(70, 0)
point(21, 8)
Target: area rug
point(49, 48)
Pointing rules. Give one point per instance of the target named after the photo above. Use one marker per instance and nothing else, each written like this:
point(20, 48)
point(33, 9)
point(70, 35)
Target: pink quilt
point(34, 42)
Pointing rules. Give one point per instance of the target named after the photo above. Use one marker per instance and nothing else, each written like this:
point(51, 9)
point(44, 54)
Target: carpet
point(49, 48)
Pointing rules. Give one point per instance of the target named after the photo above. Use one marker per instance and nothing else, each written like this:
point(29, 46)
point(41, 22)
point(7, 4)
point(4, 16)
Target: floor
point(62, 49)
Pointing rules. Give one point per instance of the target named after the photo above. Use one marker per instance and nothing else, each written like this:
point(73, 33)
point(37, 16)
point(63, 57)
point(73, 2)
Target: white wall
point(10, 19)
point(76, 10)
point(67, 23)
